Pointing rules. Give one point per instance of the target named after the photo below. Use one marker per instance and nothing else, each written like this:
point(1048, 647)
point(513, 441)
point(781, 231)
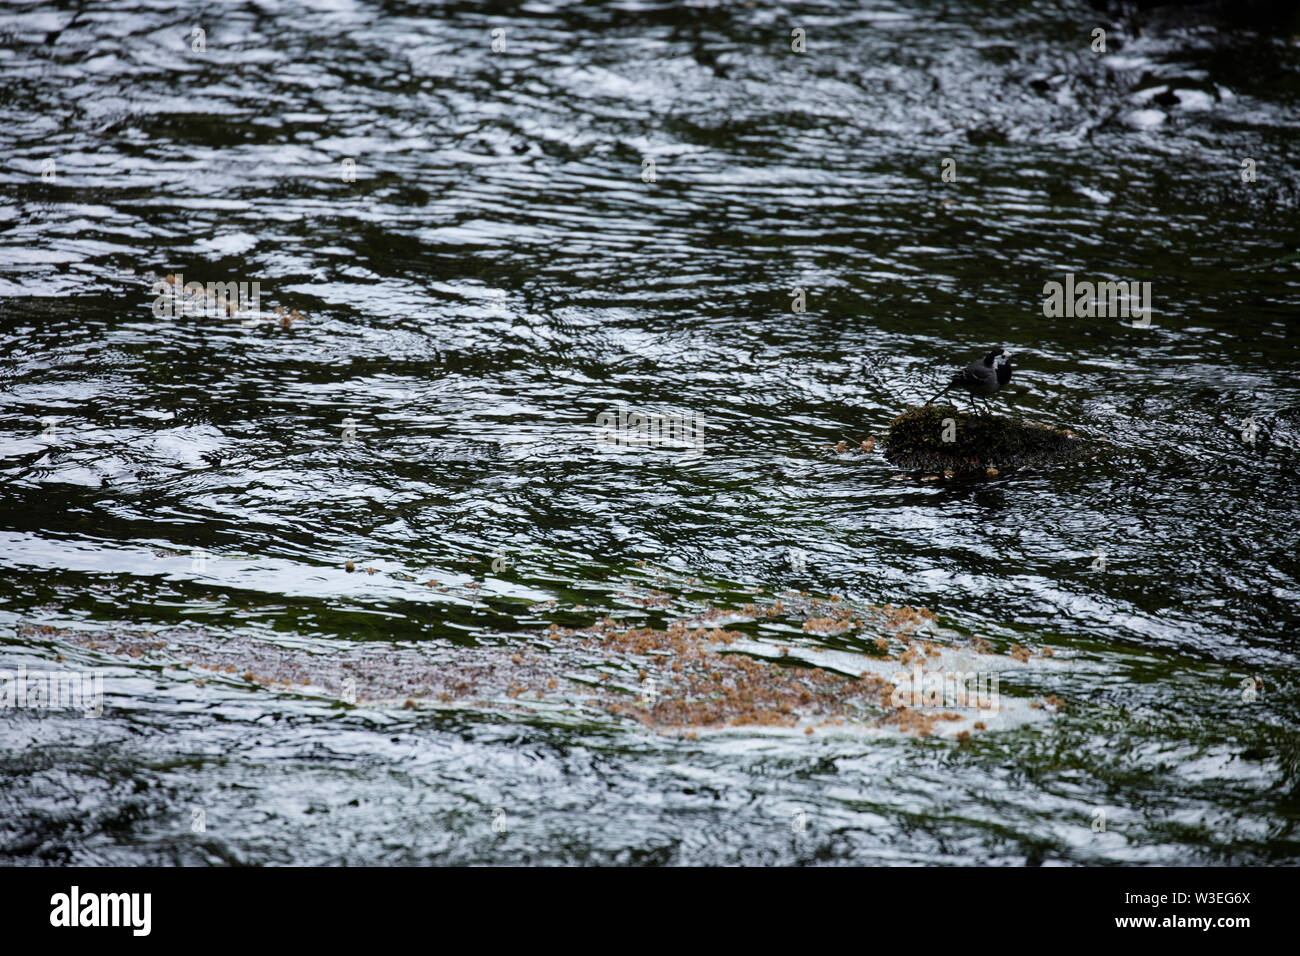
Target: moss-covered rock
point(938, 438)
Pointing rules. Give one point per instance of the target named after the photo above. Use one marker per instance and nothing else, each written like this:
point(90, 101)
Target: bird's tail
point(941, 393)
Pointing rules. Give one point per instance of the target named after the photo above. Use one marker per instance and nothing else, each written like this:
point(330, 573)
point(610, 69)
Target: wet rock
point(939, 439)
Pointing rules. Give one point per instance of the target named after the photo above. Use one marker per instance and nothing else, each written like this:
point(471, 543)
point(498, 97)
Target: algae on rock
point(939, 438)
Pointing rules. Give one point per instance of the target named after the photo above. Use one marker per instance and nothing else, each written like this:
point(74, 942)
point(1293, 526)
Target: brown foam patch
point(676, 680)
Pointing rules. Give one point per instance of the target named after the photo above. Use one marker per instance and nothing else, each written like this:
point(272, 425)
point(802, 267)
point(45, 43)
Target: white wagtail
point(981, 377)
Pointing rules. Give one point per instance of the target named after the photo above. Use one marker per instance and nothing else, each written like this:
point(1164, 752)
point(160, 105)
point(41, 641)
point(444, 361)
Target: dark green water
point(499, 274)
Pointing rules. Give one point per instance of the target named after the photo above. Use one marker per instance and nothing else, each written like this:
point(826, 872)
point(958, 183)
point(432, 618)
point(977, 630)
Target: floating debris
point(676, 679)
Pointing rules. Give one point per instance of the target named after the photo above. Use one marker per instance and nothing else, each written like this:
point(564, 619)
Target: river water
point(494, 274)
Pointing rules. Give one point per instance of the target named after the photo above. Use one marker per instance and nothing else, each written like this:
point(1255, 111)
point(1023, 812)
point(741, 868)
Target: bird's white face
point(1000, 361)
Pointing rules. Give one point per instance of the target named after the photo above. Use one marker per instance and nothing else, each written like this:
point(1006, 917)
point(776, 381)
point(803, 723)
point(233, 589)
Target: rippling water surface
point(499, 274)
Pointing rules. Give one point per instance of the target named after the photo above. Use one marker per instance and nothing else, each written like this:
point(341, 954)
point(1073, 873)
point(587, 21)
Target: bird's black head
point(992, 357)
